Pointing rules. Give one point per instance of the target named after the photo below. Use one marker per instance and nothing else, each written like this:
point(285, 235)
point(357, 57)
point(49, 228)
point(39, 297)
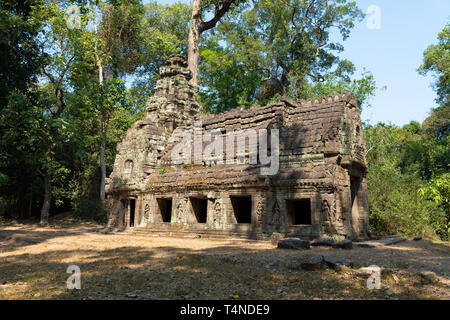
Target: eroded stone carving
point(260, 208)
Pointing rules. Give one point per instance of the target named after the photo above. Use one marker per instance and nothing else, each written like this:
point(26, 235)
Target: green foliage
point(275, 48)
point(19, 64)
point(165, 31)
point(226, 83)
point(401, 197)
point(437, 61)
point(363, 88)
point(438, 191)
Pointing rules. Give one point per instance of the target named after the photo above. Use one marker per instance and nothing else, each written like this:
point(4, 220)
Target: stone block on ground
point(428, 276)
point(386, 241)
point(313, 262)
point(326, 242)
point(334, 262)
point(392, 240)
point(344, 244)
point(275, 238)
point(293, 243)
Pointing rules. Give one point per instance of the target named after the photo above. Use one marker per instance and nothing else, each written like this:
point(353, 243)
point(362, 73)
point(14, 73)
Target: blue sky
point(393, 53)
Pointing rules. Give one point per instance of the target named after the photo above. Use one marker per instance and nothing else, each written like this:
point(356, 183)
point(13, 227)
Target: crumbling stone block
point(313, 262)
point(293, 243)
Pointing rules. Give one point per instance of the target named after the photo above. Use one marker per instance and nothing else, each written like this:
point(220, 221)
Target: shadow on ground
point(223, 271)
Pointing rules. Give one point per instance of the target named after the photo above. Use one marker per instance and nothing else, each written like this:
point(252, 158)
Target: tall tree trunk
point(198, 26)
point(193, 37)
point(102, 159)
point(102, 127)
point(47, 197)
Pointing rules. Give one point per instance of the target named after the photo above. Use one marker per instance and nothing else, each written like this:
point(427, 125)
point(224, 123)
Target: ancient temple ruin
point(319, 188)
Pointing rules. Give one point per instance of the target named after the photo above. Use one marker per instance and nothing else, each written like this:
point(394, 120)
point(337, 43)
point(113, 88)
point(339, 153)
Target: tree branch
point(218, 14)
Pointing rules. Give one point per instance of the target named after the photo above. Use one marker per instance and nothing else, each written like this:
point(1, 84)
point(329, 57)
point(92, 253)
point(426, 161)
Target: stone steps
point(207, 234)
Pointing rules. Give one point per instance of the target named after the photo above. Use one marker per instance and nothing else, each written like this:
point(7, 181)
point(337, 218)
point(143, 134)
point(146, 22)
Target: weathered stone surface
point(326, 242)
point(428, 276)
point(293, 243)
point(5, 235)
point(392, 240)
point(161, 188)
point(380, 243)
point(313, 262)
point(334, 262)
point(366, 271)
point(275, 238)
point(341, 268)
point(344, 244)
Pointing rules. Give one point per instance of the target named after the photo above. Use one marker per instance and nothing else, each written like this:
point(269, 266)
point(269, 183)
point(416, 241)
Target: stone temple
point(319, 188)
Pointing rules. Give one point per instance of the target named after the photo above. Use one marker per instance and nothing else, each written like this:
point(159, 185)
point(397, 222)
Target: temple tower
point(175, 99)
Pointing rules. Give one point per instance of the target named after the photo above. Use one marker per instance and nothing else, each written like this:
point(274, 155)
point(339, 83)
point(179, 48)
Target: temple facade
point(166, 181)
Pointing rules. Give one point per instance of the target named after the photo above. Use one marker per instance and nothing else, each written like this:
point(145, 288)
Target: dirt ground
point(34, 262)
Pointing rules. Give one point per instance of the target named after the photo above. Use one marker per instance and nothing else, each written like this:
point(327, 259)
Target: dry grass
point(34, 260)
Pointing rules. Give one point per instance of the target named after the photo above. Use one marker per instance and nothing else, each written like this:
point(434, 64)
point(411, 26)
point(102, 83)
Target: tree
point(436, 60)
point(116, 51)
point(197, 26)
point(282, 47)
point(64, 103)
point(19, 69)
point(18, 44)
point(165, 29)
point(58, 43)
point(402, 198)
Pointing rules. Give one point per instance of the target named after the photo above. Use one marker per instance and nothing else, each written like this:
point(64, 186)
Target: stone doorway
point(355, 188)
point(242, 208)
point(132, 203)
point(165, 209)
point(200, 208)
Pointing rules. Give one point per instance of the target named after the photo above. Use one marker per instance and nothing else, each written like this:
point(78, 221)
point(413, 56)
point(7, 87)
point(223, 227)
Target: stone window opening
point(299, 211)
point(242, 208)
point(165, 208)
point(200, 208)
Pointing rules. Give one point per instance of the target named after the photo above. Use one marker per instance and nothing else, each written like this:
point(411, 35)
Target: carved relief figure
point(147, 211)
point(180, 212)
point(276, 214)
point(327, 214)
point(217, 211)
point(260, 208)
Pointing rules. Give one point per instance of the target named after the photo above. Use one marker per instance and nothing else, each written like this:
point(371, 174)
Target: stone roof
point(310, 132)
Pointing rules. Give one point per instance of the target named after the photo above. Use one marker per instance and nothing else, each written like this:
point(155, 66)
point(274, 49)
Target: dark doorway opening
point(200, 207)
point(242, 208)
point(299, 211)
point(132, 211)
point(165, 208)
